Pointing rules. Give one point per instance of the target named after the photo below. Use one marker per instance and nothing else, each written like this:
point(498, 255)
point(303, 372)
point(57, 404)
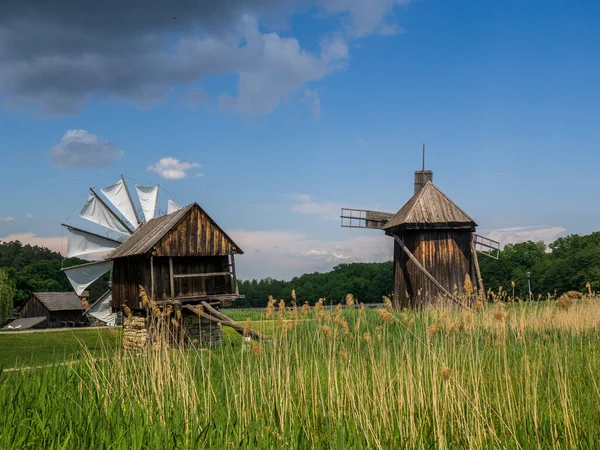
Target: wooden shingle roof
point(59, 301)
point(430, 208)
point(153, 231)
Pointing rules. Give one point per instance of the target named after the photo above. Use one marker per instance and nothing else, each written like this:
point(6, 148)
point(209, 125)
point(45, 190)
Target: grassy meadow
point(514, 375)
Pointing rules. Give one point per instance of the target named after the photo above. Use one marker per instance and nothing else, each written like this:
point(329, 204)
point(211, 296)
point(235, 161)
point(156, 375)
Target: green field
point(516, 376)
point(38, 348)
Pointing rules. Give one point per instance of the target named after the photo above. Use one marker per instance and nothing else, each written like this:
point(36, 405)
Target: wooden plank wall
point(446, 254)
point(129, 273)
point(195, 235)
point(34, 308)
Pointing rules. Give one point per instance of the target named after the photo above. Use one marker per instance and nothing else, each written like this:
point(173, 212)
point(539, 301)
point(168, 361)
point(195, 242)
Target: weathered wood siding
point(195, 235)
point(56, 319)
point(34, 308)
point(131, 272)
point(446, 254)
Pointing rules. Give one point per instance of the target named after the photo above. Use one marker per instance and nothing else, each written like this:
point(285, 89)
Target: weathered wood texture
point(130, 272)
point(55, 319)
point(445, 254)
point(195, 235)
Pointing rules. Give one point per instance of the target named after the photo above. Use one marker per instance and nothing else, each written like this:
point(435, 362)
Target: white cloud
point(29, 216)
point(307, 205)
point(6, 219)
point(78, 148)
point(57, 244)
point(172, 168)
point(285, 254)
point(514, 235)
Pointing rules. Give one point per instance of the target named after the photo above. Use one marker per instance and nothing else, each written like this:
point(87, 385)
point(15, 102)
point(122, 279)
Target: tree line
point(569, 263)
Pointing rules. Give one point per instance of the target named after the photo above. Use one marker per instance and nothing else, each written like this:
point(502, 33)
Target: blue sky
point(293, 111)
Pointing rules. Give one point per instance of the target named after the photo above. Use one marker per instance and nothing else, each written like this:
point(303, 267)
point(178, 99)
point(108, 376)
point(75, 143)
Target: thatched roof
point(149, 234)
point(59, 301)
point(430, 208)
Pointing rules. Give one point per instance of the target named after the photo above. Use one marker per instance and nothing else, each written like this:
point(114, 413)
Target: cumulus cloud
point(57, 244)
point(173, 169)
point(6, 219)
point(285, 254)
point(29, 216)
point(60, 55)
point(78, 148)
point(514, 235)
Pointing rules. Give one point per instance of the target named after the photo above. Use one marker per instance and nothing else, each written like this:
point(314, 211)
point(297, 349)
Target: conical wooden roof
point(430, 208)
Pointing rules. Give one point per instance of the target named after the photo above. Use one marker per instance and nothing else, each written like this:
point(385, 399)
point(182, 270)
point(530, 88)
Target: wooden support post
point(171, 279)
point(236, 289)
point(152, 278)
point(477, 271)
point(427, 274)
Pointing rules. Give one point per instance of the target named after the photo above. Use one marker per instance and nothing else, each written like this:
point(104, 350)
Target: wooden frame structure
point(182, 257)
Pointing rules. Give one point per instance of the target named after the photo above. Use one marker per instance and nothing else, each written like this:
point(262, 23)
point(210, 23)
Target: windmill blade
point(486, 246)
point(95, 210)
point(83, 275)
point(119, 196)
point(364, 218)
point(172, 207)
point(101, 309)
point(148, 196)
point(84, 243)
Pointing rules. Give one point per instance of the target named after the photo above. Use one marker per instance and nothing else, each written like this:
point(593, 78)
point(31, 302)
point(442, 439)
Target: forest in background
point(568, 263)
point(30, 269)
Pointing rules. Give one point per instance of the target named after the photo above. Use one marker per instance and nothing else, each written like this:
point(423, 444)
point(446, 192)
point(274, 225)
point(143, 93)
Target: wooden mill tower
point(435, 245)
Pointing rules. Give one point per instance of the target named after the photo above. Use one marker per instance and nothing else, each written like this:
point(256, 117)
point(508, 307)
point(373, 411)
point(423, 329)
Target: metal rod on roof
point(423, 157)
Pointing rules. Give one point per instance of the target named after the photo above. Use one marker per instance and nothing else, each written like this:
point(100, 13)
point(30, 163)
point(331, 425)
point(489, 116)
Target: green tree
point(7, 294)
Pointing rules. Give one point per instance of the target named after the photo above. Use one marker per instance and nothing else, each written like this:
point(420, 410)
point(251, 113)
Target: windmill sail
point(102, 310)
point(148, 197)
point(172, 207)
point(119, 196)
point(84, 243)
point(96, 211)
point(83, 275)
point(364, 218)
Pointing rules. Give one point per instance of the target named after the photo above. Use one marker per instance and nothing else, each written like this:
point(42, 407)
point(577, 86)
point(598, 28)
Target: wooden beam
point(172, 281)
point(236, 288)
point(477, 271)
point(195, 275)
point(427, 274)
point(231, 323)
point(152, 277)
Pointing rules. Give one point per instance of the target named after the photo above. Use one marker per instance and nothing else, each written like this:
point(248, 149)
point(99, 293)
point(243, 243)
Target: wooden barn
point(59, 309)
point(183, 256)
point(438, 234)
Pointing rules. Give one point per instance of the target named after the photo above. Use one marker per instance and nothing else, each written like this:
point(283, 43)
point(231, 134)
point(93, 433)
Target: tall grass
point(522, 376)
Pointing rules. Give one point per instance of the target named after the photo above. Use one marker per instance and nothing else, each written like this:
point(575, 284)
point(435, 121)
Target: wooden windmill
point(435, 245)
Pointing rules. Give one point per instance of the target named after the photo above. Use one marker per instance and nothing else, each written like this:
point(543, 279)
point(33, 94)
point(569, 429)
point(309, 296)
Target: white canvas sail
point(97, 212)
point(118, 195)
point(81, 243)
point(172, 207)
point(102, 310)
point(82, 276)
point(148, 196)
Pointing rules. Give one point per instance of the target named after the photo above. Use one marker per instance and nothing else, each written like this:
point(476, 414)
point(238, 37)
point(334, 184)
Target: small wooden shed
point(60, 309)
point(183, 256)
point(438, 234)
